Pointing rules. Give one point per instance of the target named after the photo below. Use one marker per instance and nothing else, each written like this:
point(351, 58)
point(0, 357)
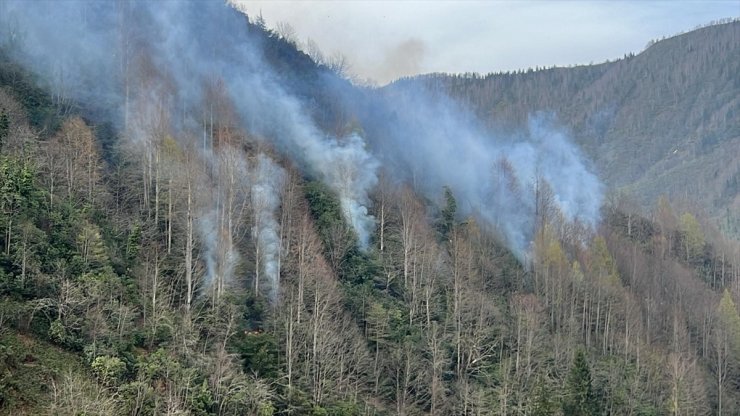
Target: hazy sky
point(387, 39)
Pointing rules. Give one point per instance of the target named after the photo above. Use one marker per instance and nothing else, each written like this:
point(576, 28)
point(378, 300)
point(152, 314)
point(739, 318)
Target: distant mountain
point(202, 220)
point(665, 121)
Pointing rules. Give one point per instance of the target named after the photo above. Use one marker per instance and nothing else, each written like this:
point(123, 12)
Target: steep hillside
point(199, 220)
point(665, 121)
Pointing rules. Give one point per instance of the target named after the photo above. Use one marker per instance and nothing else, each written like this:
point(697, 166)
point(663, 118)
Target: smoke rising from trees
point(429, 141)
point(496, 177)
point(267, 183)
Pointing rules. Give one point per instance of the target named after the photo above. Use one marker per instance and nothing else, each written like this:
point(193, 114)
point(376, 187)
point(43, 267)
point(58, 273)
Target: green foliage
point(545, 402)
point(297, 401)
point(27, 366)
point(133, 242)
point(4, 127)
point(339, 240)
point(108, 369)
point(579, 398)
point(602, 263)
point(447, 215)
point(23, 245)
point(265, 409)
point(158, 365)
point(91, 250)
point(202, 400)
point(57, 332)
point(360, 266)
point(46, 247)
point(17, 187)
point(319, 411)
point(260, 354)
point(324, 207)
point(343, 408)
point(36, 100)
point(88, 286)
point(693, 236)
point(729, 322)
point(8, 362)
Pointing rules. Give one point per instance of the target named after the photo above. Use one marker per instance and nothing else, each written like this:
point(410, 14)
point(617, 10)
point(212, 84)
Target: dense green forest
point(114, 302)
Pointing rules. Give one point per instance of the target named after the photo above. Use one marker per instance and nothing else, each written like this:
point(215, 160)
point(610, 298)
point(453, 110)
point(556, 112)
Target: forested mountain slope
point(664, 121)
point(240, 235)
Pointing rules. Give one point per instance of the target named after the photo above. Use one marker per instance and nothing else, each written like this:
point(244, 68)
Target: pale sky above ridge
point(384, 40)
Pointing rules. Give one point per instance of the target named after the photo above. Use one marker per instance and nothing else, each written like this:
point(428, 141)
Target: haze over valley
point(203, 214)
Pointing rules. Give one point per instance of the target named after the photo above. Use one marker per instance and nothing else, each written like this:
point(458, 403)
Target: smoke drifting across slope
point(93, 51)
point(110, 55)
point(493, 176)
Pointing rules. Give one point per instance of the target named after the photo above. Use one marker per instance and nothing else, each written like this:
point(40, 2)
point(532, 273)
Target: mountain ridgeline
point(198, 219)
point(662, 122)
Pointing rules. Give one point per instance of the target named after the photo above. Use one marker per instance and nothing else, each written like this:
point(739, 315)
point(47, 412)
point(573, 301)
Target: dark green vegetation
point(104, 308)
point(665, 121)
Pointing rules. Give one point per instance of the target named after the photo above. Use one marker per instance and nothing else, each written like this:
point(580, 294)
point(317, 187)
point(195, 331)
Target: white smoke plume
point(350, 170)
point(104, 48)
point(433, 142)
point(343, 163)
point(267, 184)
point(223, 202)
point(91, 47)
point(219, 254)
